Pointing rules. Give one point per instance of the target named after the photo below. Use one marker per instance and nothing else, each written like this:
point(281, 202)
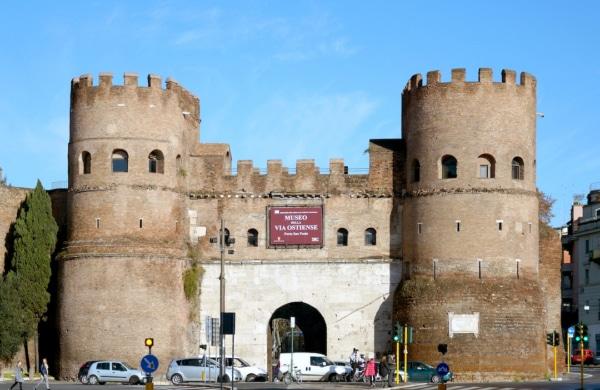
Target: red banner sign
point(295, 226)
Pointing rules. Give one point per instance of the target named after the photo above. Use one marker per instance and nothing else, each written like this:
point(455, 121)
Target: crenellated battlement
point(83, 86)
point(458, 78)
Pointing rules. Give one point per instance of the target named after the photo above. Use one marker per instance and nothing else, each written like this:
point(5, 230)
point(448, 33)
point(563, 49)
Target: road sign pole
point(405, 353)
point(569, 353)
point(555, 370)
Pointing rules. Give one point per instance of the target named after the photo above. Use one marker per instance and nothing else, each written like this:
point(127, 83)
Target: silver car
point(104, 371)
point(197, 369)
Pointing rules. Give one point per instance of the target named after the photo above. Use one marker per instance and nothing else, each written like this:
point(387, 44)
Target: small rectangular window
point(457, 226)
point(97, 223)
point(419, 228)
point(499, 222)
point(141, 223)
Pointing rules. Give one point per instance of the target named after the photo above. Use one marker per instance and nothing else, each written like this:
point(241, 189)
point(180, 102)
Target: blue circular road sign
point(442, 369)
point(149, 364)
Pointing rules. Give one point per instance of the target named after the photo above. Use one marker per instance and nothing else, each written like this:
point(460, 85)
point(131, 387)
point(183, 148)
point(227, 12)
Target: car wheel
point(134, 380)
point(224, 379)
point(250, 378)
point(333, 378)
point(102, 383)
point(93, 380)
point(176, 379)
point(436, 379)
point(83, 379)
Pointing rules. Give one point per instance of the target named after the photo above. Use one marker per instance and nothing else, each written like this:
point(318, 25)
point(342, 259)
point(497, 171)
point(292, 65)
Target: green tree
point(34, 239)
point(10, 326)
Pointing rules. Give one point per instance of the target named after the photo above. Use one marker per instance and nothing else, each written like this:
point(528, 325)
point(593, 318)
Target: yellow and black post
point(149, 342)
point(405, 353)
point(397, 337)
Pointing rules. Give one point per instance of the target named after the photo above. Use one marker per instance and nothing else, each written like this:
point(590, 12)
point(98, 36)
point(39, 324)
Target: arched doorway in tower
point(310, 332)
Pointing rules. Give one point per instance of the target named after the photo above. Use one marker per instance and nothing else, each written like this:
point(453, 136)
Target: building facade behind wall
point(442, 233)
point(581, 273)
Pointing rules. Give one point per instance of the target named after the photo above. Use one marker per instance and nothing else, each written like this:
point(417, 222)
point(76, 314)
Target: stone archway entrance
point(310, 334)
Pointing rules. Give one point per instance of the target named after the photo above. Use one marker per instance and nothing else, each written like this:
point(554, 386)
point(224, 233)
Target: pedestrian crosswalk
point(430, 386)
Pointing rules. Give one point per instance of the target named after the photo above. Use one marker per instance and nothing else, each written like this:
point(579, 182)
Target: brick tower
point(470, 224)
point(121, 270)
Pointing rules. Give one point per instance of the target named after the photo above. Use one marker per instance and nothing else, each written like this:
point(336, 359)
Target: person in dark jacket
point(18, 376)
point(384, 369)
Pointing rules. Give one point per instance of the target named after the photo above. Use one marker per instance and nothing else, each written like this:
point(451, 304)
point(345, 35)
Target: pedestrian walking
point(371, 370)
point(44, 372)
point(392, 370)
point(384, 370)
point(18, 376)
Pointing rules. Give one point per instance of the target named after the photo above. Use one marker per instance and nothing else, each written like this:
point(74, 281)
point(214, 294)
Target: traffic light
point(555, 339)
point(397, 333)
point(550, 338)
point(582, 335)
point(149, 342)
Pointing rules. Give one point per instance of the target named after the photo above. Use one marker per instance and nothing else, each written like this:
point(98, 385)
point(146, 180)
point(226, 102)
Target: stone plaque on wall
point(463, 323)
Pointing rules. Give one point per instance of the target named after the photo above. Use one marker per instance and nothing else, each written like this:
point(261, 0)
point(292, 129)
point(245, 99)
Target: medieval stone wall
point(11, 199)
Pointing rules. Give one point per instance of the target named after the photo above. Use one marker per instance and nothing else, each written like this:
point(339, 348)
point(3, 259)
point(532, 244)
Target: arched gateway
point(310, 331)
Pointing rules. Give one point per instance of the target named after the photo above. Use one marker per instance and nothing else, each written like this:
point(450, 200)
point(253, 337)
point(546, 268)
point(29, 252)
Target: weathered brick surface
point(10, 202)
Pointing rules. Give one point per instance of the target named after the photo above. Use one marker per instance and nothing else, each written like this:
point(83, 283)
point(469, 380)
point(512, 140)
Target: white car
point(248, 372)
point(314, 366)
point(104, 371)
point(197, 369)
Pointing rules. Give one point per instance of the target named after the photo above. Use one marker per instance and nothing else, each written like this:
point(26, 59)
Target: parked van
point(314, 366)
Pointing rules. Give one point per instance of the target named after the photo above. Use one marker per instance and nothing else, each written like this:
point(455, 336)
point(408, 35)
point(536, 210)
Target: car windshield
point(239, 362)
point(329, 362)
point(128, 366)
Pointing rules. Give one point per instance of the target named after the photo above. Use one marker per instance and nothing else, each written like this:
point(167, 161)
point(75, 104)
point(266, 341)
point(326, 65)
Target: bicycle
point(294, 376)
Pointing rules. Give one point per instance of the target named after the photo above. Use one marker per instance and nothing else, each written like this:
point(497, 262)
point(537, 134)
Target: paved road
point(570, 382)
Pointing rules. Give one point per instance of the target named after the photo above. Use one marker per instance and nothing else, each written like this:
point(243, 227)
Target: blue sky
point(300, 79)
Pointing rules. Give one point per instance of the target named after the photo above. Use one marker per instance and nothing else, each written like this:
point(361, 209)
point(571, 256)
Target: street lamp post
point(221, 305)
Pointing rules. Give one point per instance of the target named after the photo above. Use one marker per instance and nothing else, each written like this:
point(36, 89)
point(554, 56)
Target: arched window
point(449, 167)
point(342, 237)
point(120, 160)
point(487, 166)
point(252, 237)
point(416, 171)
point(156, 162)
point(85, 163)
point(226, 237)
point(370, 236)
point(518, 168)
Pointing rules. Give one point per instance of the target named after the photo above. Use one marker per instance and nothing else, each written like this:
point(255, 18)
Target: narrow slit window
point(499, 223)
point(141, 223)
point(435, 268)
point(457, 226)
point(97, 223)
point(518, 268)
point(529, 224)
point(479, 267)
point(419, 228)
